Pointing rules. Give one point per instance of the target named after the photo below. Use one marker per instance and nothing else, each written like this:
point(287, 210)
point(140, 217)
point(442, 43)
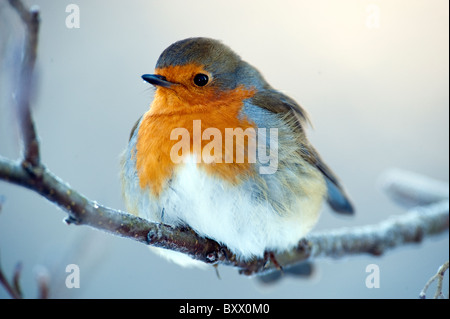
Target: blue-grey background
point(378, 98)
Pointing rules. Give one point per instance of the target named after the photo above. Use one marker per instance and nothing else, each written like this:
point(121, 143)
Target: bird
point(224, 153)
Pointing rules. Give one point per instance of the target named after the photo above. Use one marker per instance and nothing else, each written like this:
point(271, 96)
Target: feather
point(277, 102)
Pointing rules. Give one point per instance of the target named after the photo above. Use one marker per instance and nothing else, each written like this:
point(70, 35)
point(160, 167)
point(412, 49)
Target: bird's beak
point(157, 80)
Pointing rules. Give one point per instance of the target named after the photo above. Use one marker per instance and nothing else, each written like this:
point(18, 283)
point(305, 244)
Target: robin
point(224, 153)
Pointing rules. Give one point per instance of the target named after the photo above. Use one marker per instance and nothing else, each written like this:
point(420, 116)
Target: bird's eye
point(201, 79)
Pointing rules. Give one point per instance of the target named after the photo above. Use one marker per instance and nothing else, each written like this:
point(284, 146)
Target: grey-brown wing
point(134, 127)
point(337, 197)
point(277, 102)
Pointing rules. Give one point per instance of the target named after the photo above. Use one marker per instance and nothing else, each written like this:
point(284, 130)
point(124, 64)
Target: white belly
point(230, 215)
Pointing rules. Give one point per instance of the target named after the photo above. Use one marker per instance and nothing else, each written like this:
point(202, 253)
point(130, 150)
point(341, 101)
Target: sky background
point(373, 75)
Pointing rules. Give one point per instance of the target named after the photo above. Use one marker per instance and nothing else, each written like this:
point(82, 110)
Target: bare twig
point(42, 278)
point(2, 201)
point(12, 289)
point(16, 278)
point(439, 276)
point(31, 174)
point(30, 19)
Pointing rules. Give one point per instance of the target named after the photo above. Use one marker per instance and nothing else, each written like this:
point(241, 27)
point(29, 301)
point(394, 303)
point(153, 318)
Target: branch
point(412, 227)
point(439, 276)
point(22, 94)
point(30, 173)
point(13, 288)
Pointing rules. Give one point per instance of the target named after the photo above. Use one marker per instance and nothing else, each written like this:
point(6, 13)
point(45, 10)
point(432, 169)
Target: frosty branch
point(429, 217)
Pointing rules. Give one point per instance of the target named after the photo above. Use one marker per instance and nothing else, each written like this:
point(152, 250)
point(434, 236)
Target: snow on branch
point(439, 277)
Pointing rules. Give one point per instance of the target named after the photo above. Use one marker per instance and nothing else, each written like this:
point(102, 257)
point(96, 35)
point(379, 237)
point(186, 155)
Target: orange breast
point(168, 112)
